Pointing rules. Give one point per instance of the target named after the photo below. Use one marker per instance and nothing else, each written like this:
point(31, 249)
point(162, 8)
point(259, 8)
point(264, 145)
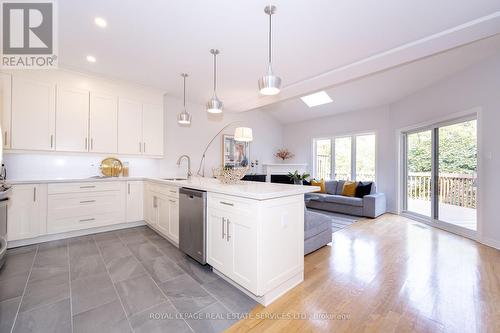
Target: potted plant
point(298, 179)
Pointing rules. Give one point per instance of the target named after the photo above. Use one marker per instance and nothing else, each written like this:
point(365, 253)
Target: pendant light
point(270, 84)
point(214, 105)
point(184, 118)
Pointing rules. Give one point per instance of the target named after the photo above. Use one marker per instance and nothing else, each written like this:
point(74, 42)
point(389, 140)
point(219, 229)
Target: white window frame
point(353, 137)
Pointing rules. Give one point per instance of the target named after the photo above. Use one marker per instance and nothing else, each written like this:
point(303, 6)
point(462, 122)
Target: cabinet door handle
point(155, 204)
point(87, 220)
point(86, 144)
point(144, 147)
point(88, 186)
point(140, 148)
point(228, 236)
point(223, 233)
point(128, 188)
point(87, 201)
point(173, 192)
point(5, 139)
point(52, 141)
point(34, 194)
point(92, 144)
point(226, 203)
point(172, 201)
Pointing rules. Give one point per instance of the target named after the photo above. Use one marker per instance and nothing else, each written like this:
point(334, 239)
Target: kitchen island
point(255, 234)
point(254, 231)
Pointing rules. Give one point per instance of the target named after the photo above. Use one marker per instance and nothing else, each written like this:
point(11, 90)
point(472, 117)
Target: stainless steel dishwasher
point(192, 223)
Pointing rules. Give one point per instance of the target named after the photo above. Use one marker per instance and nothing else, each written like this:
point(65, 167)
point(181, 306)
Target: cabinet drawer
point(84, 187)
point(72, 211)
point(171, 191)
point(230, 204)
point(82, 222)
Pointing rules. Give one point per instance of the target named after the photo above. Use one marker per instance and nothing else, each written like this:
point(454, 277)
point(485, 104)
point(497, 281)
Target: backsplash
point(52, 166)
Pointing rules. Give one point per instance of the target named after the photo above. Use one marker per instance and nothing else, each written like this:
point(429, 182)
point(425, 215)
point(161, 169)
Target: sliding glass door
point(418, 175)
point(440, 174)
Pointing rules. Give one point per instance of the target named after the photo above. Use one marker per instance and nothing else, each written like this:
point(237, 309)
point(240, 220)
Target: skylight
point(316, 99)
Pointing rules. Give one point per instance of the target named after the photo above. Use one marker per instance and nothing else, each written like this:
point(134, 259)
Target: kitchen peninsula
point(255, 231)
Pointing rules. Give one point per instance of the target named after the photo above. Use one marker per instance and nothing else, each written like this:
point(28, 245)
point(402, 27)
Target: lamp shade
point(243, 134)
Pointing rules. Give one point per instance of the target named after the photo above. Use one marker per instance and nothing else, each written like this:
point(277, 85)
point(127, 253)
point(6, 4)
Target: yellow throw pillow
point(349, 189)
point(320, 183)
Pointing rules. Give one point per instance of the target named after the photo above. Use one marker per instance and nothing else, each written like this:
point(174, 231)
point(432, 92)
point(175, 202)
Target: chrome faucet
point(189, 174)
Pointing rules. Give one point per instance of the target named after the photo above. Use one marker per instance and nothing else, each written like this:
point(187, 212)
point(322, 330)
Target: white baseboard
point(69, 234)
point(272, 295)
point(490, 242)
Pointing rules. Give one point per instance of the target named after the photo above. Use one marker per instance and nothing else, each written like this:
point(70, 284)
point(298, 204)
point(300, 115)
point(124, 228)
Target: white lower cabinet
point(232, 248)
point(258, 244)
point(95, 205)
point(27, 212)
point(135, 201)
point(161, 205)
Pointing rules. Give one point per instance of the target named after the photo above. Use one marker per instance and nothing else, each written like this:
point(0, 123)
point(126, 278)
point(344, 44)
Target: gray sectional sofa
point(371, 205)
point(317, 231)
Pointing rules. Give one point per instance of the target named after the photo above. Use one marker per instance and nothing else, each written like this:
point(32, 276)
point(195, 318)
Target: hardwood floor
point(391, 274)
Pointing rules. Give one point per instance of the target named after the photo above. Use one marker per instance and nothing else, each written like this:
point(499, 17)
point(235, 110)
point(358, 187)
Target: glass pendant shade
point(214, 105)
point(269, 84)
point(184, 118)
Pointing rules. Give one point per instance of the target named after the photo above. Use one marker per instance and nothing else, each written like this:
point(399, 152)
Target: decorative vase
point(298, 182)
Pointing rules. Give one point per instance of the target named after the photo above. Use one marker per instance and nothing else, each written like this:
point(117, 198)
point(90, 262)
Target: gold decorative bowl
point(228, 175)
point(111, 167)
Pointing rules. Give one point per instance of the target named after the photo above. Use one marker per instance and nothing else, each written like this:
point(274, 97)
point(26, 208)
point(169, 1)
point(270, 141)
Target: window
point(439, 174)
point(365, 157)
point(343, 161)
point(345, 157)
point(323, 159)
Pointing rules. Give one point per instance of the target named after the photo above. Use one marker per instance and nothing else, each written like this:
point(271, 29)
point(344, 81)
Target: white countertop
point(245, 189)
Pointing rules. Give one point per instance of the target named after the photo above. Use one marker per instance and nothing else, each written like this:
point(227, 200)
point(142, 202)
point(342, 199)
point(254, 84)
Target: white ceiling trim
point(463, 34)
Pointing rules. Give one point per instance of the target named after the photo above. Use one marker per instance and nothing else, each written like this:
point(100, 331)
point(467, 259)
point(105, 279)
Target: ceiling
point(388, 86)
point(152, 42)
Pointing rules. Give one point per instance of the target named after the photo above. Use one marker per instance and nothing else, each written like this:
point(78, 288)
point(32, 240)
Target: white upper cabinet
point(5, 108)
point(129, 127)
point(33, 115)
point(72, 119)
point(103, 123)
point(67, 112)
point(152, 129)
point(140, 128)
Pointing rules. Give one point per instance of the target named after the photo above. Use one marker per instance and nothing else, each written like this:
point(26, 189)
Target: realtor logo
point(28, 35)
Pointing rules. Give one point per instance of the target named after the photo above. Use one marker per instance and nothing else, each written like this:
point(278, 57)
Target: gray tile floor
point(130, 280)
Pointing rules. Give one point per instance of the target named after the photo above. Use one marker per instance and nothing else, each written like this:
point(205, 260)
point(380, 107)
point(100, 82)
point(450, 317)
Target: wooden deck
point(461, 216)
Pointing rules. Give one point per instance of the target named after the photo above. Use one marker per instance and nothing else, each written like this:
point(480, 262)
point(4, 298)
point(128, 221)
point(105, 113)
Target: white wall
point(298, 138)
point(24, 166)
point(475, 87)
point(478, 86)
point(192, 140)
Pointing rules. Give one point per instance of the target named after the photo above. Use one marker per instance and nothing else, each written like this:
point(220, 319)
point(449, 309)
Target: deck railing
point(323, 170)
point(454, 189)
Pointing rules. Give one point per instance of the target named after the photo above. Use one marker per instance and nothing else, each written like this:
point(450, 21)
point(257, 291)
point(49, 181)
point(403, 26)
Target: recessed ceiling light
point(100, 22)
point(316, 99)
point(91, 58)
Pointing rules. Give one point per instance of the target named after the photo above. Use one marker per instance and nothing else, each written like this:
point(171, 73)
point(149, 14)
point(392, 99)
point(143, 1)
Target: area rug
point(339, 221)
